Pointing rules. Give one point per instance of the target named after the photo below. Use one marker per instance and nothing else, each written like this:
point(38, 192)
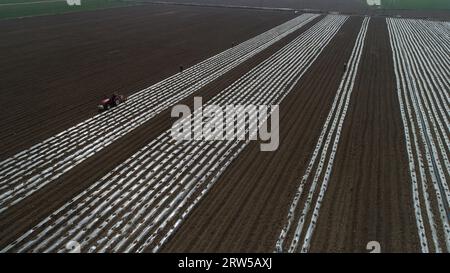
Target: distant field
point(416, 4)
point(22, 8)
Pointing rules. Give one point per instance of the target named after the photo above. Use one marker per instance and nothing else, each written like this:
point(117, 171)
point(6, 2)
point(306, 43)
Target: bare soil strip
point(157, 186)
point(389, 182)
point(122, 50)
point(369, 197)
point(42, 202)
point(245, 210)
point(47, 161)
point(305, 207)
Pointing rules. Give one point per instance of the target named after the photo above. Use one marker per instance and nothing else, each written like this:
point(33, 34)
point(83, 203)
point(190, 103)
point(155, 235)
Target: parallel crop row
point(421, 52)
point(32, 169)
point(321, 163)
point(142, 202)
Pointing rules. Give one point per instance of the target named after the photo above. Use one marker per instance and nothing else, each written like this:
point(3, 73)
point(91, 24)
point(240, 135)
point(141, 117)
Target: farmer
point(114, 98)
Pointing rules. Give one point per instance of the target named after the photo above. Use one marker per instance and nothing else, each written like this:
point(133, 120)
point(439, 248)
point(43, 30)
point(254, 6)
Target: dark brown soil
point(369, 197)
point(55, 69)
point(356, 7)
point(247, 207)
point(30, 211)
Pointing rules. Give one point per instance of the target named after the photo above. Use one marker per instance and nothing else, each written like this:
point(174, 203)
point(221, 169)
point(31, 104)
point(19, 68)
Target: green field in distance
point(411, 4)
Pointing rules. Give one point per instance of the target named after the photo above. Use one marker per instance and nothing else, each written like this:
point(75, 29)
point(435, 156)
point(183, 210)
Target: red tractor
point(110, 102)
